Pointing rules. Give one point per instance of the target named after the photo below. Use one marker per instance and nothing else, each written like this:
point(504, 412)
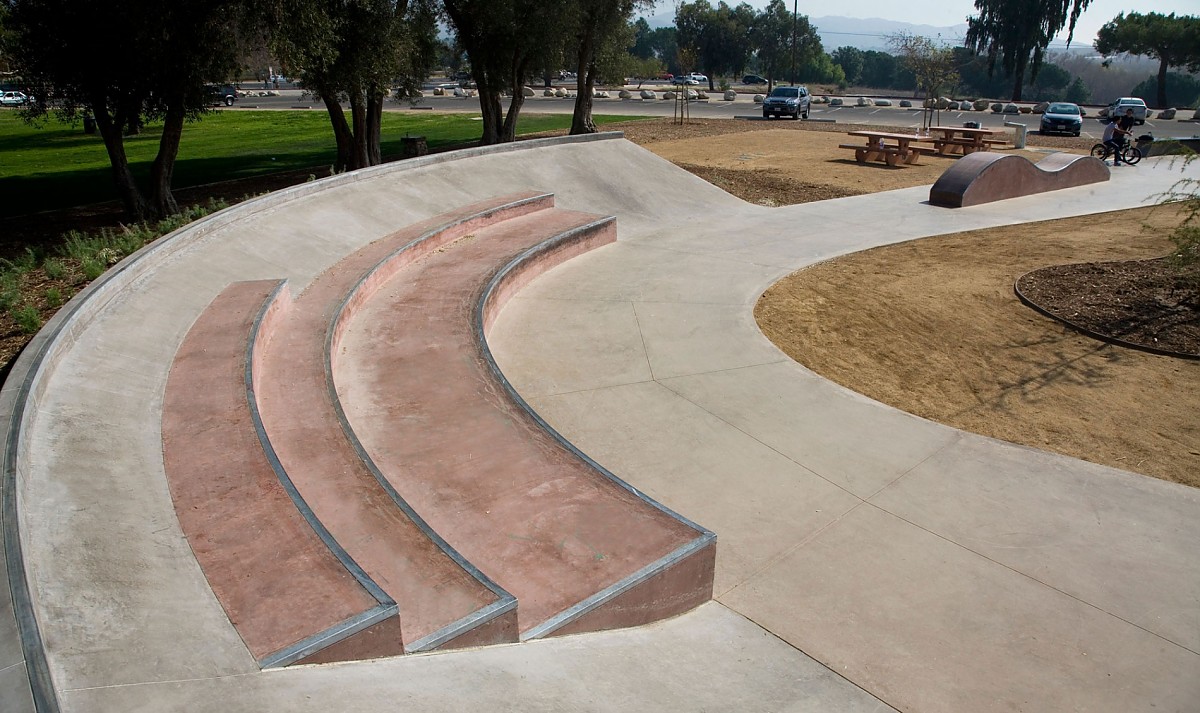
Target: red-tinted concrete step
point(290, 596)
point(578, 548)
point(445, 600)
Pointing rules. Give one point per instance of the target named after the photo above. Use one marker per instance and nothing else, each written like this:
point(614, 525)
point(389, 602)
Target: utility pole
point(795, 4)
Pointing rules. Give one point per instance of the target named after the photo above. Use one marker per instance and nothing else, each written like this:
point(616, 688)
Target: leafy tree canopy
point(1173, 41)
point(1015, 33)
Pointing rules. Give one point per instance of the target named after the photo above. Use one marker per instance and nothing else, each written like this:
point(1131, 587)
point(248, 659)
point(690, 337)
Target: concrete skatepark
point(866, 559)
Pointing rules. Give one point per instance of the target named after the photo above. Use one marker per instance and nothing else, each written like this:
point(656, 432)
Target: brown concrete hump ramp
point(983, 177)
point(578, 548)
point(290, 595)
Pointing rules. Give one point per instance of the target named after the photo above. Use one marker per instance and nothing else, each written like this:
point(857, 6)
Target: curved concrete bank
point(869, 559)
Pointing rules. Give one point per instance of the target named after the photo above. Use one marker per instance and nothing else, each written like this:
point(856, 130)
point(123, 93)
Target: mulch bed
point(1143, 302)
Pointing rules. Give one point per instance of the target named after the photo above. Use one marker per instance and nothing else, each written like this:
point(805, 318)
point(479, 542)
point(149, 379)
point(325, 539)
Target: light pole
point(794, 9)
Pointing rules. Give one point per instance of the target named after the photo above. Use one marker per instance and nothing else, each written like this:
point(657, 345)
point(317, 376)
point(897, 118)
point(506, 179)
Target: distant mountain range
point(865, 34)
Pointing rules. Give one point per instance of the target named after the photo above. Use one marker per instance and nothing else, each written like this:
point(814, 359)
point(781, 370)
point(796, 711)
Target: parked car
point(684, 79)
point(753, 79)
point(1062, 118)
point(221, 94)
point(1118, 108)
point(789, 101)
point(666, 76)
point(700, 78)
point(13, 99)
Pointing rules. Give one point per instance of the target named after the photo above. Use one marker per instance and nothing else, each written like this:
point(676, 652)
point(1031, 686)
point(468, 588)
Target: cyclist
point(1115, 133)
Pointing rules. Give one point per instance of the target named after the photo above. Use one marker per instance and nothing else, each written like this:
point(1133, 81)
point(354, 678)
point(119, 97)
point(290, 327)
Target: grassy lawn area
point(58, 166)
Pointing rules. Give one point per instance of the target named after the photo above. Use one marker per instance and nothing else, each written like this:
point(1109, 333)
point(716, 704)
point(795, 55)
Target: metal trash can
point(89, 124)
point(1019, 139)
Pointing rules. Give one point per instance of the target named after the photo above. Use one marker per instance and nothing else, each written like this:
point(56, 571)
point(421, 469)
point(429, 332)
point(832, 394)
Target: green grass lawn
point(56, 165)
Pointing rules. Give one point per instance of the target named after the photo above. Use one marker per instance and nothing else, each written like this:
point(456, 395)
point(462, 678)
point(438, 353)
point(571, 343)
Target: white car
point(700, 78)
point(13, 99)
point(685, 79)
point(1117, 109)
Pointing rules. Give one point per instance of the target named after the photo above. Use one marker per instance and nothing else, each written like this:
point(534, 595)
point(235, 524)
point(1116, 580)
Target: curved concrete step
point(291, 593)
point(578, 548)
point(445, 601)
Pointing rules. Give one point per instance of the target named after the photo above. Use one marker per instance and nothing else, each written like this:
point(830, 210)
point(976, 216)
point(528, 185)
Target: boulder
point(648, 94)
point(460, 92)
point(883, 102)
point(1103, 113)
point(1082, 111)
point(560, 93)
point(1196, 115)
point(439, 92)
point(980, 104)
point(758, 98)
point(625, 94)
point(1011, 108)
point(1025, 109)
point(836, 101)
point(669, 95)
point(548, 93)
point(693, 94)
point(1041, 108)
point(1166, 114)
point(730, 95)
point(863, 101)
point(600, 94)
point(528, 91)
point(997, 107)
point(905, 103)
point(943, 103)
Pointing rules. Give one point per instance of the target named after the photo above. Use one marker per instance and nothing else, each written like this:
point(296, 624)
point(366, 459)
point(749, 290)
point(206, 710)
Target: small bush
point(28, 319)
point(92, 267)
point(54, 298)
point(54, 268)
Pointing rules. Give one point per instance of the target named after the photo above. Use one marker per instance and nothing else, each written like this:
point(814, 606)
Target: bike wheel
point(1131, 155)
point(1100, 151)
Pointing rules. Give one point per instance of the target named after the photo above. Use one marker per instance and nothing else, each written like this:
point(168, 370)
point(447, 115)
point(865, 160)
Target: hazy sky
point(942, 13)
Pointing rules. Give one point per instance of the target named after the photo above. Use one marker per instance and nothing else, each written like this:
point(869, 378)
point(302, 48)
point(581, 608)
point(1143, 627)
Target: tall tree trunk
point(516, 82)
point(585, 81)
point(162, 201)
point(1018, 79)
point(358, 129)
point(110, 128)
point(1162, 83)
point(374, 128)
point(493, 114)
point(341, 132)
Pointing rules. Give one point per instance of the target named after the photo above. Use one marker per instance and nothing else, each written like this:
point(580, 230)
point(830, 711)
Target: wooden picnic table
point(961, 139)
point(890, 148)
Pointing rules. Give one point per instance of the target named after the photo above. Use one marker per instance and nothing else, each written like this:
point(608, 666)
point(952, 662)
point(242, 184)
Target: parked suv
point(221, 94)
point(1117, 109)
point(790, 101)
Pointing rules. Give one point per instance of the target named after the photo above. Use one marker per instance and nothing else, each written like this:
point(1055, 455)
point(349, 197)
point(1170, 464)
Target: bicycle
point(1130, 154)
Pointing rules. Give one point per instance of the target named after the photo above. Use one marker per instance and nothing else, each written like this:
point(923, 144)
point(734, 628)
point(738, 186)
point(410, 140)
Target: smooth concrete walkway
point(867, 560)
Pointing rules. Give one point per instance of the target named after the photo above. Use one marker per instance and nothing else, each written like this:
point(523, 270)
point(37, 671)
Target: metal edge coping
point(566, 616)
point(298, 500)
point(1115, 341)
point(335, 634)
point(505, 600)
point(481, 340)
point(30, 363)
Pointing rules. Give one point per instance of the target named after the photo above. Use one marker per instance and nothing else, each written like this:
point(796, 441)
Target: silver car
point(787, 101)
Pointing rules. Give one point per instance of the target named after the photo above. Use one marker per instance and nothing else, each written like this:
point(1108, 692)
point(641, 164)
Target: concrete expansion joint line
point(771, 562)
point(757, 440)
point(172, 681)
point(1034, 579)
point(642, 336)
point(823, 664)
point(12, 666)
point(952, 442)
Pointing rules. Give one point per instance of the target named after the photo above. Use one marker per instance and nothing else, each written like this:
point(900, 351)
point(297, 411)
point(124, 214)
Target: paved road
point(744, 107)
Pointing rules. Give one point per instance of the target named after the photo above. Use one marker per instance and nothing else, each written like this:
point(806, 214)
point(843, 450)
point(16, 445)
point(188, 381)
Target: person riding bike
point(1115, 133)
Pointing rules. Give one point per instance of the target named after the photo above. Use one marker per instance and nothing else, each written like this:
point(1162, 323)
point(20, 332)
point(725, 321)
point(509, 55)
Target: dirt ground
point(933, 326)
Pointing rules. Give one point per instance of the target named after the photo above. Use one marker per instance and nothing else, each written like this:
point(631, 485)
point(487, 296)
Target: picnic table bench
point(961, 139)
point(887, 147)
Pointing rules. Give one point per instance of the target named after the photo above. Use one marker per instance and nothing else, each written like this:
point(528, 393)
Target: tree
point(771, 39)
point(719, 36)
point(506, 41)
point(933, 65)
point(355, 51)
point(1173, 41)
point(878, 70)
point(127, 62)
point(601, 27)
point(1078, 92)
point(1016, 32)
point(850, 59)
point(1182, 89)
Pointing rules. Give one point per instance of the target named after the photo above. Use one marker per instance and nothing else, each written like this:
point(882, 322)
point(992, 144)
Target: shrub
point(28, 319)
point(54, 298)
point(54, 268)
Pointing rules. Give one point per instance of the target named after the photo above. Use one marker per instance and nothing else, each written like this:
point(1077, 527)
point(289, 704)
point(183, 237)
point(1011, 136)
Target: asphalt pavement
point(742, 108)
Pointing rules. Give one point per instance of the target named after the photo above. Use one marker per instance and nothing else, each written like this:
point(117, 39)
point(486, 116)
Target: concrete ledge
point(983, 177)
